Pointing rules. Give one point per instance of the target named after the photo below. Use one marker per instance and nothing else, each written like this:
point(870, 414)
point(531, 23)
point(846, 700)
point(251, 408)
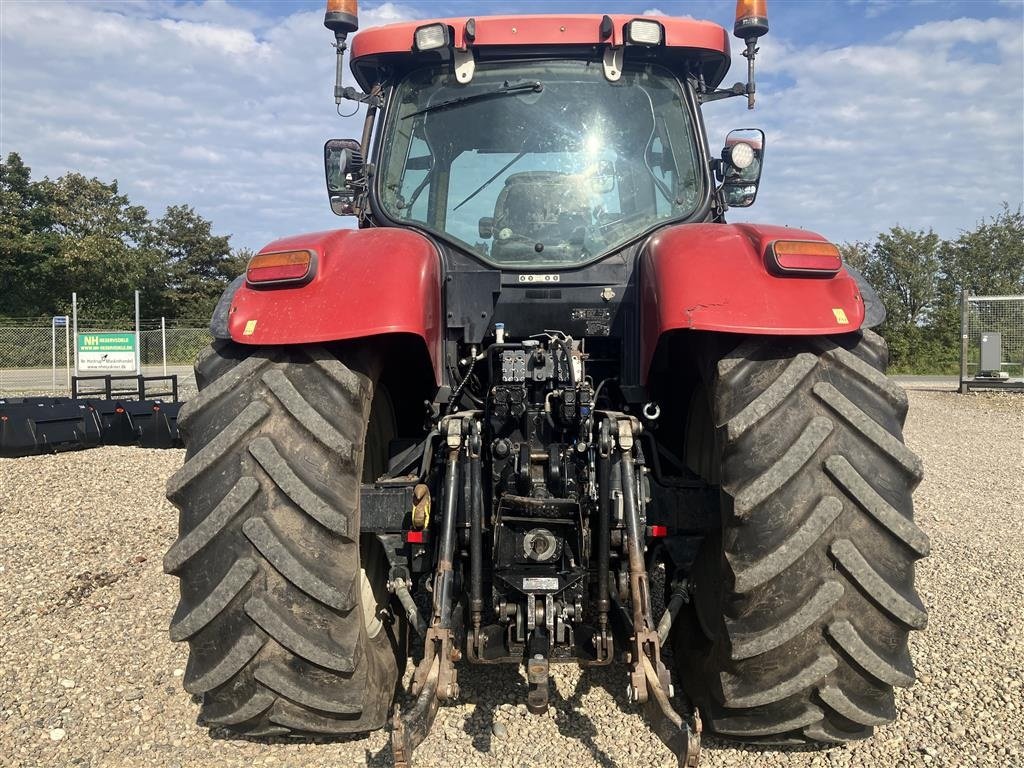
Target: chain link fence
point(992, 338)
point(38, 356)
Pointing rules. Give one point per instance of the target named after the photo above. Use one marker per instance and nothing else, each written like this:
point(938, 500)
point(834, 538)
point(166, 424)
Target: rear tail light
point(803, 257)
point(284, 267)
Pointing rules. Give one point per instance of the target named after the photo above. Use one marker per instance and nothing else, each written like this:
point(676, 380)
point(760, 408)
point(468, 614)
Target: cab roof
point(685, 40)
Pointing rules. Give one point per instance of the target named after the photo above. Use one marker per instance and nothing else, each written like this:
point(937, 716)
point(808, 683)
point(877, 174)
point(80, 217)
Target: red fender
point(368, 282)
point(713, 277)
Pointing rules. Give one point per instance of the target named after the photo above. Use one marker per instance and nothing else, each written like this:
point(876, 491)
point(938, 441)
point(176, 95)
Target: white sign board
point(106, 352)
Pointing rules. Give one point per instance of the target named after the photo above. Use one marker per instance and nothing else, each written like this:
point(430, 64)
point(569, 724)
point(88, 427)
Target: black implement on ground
point(37, 425)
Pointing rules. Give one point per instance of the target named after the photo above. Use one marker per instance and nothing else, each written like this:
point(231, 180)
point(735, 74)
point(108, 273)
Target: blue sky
point(878, 112)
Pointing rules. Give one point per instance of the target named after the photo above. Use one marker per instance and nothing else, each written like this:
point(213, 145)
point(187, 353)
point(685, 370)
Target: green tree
point(198, 263)
point(84, 235)
point(904, 266)
point(920, 279)
point(988, 260)
point(856, 254)
point(103, 253)
point(985, 261)
point(26, 239)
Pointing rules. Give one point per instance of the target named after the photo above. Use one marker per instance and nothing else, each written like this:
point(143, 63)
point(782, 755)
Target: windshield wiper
point(536, 86)
point(484, 186)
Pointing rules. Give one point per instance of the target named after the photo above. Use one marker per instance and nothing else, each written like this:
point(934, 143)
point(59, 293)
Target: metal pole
point(163, 342)
point(138, 350)
point(67, 349)
point(964, 341)
point(74, 331)
point(53, 345)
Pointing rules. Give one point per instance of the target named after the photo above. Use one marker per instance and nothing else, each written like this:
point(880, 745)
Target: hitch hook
point(680, 736)
point(409, 730)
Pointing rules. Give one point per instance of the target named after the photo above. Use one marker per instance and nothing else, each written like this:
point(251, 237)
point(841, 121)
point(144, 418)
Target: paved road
point(928, 382)
point(15, 381)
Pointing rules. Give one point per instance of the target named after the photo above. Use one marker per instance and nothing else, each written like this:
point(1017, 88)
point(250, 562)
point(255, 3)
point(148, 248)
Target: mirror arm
point(717, 167)
point(718, 202)
point(349, 93)
point(373, 98)
point(739, 89)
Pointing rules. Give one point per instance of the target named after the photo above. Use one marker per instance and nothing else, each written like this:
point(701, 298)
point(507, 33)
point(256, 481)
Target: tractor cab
point(535, 142)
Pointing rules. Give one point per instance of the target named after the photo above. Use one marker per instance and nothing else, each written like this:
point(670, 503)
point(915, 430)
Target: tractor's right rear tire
point(284, 607)
point(804, 601)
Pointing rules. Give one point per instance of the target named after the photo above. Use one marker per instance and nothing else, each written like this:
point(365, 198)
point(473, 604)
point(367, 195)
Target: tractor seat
point(546, 207)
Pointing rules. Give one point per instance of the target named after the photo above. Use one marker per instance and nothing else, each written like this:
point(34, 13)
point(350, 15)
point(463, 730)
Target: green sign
point(106, 352)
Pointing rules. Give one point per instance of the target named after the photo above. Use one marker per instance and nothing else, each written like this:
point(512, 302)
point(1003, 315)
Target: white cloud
point(924, 129)
point(217, 39)
point(211, 104)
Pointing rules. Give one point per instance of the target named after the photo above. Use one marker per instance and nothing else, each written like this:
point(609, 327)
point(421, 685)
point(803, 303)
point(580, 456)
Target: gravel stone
point(83, 598)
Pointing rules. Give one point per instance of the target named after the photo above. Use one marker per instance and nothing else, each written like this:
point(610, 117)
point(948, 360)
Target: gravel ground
point(88, 676)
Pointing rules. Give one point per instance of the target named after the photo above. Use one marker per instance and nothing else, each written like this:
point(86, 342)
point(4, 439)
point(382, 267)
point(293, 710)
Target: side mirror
point(485, 227)
point(343, 167)
point(740, 166)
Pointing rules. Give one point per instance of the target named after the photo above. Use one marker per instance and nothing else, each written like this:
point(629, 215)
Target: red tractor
point(541, 369)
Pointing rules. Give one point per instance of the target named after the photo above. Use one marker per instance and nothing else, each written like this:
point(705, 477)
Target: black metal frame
point(139, 392)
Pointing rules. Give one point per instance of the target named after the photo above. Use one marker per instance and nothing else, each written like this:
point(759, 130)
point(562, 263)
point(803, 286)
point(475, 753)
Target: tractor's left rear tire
point(283, 603)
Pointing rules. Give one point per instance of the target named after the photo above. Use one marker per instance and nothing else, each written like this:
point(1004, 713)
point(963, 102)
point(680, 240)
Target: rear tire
point(283, 606)
point(804, 602)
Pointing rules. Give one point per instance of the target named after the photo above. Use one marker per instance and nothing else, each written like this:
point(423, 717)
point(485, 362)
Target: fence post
point(138, 339)
point(67, 349)
point(163, 342)
point(74, 315)
point(963, 342)
point(53, 352)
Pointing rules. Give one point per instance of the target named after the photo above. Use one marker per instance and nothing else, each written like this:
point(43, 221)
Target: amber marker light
point(284, 267)
point(342, 16)
point(751, 18)
point(804, 257)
